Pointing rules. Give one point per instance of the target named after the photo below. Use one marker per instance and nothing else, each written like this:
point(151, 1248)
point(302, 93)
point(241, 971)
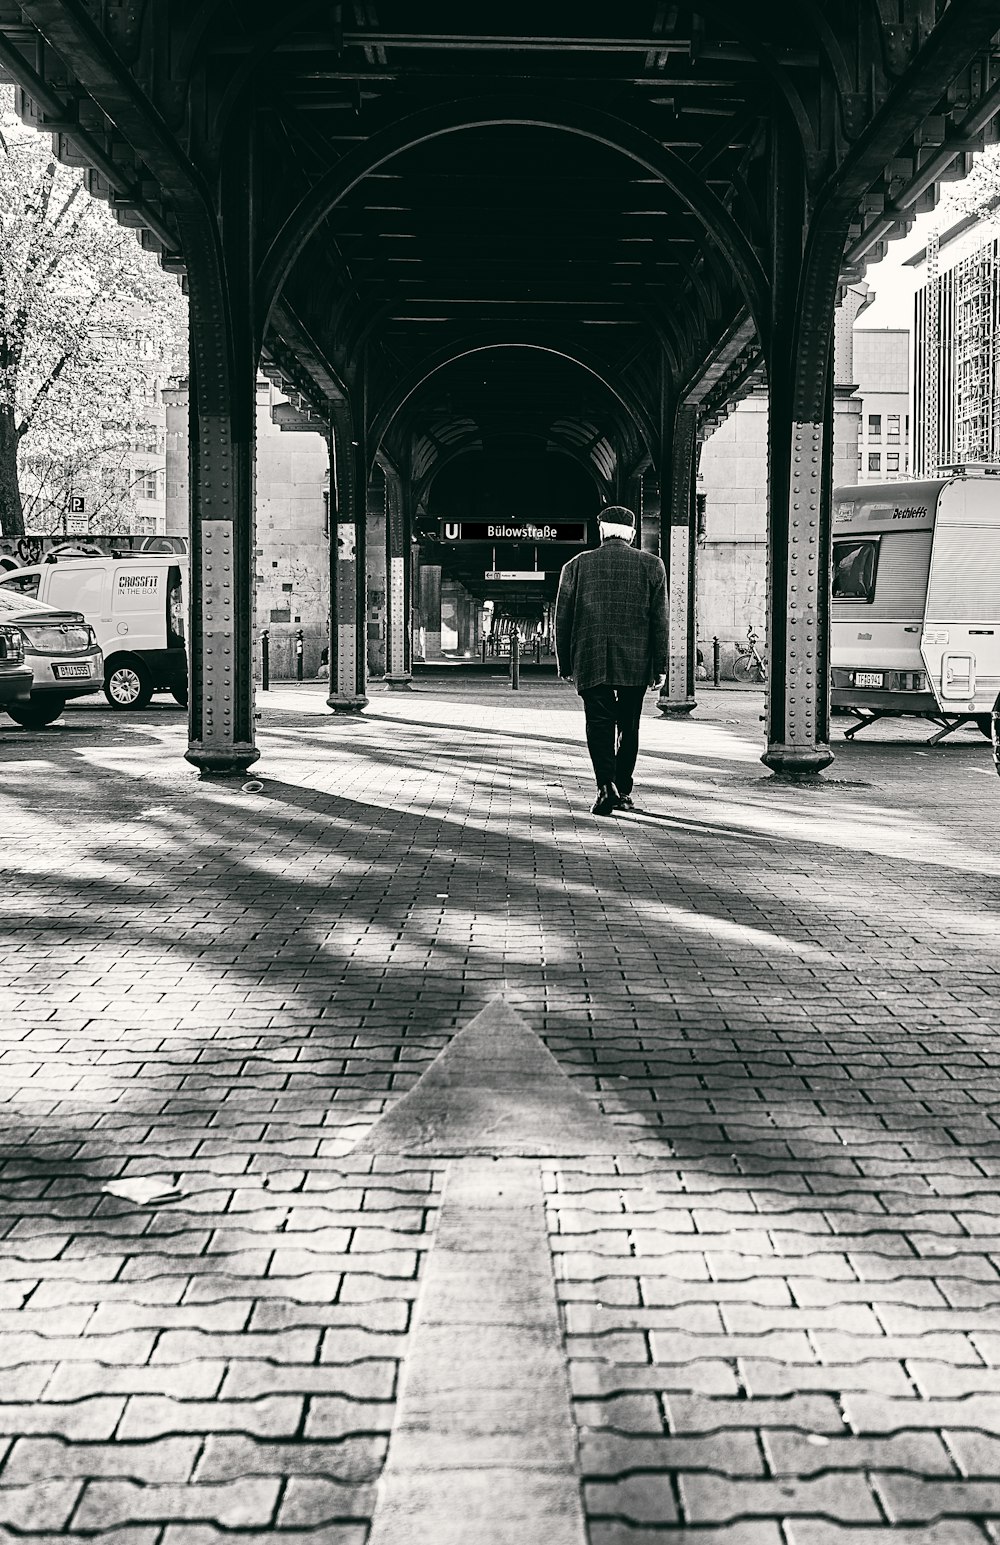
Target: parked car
point(135, 603)
point(15, 676)
point(61, 650)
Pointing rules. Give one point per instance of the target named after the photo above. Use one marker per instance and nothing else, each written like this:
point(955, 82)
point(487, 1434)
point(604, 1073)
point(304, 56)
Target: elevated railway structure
point(465, 238)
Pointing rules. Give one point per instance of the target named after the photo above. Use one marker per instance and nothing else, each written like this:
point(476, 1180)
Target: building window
point(874, 426)
point(892, 461)
point(874, 461)
point(147, 484)
point(892, 428)
point(146, 438)
point(145, 525)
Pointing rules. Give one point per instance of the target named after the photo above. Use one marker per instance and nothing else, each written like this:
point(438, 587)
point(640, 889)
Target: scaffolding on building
point(957, 369)
point(932, 362)
point(973, 355)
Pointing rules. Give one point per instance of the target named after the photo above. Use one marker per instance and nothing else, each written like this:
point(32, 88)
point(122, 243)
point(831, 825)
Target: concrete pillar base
point(221, 762)
point(399, 681)
point(797, 761)
point(344, 703)
point(677, 707)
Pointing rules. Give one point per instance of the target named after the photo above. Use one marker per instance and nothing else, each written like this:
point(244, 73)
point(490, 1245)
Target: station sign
point(514, 531)
point(515, 574)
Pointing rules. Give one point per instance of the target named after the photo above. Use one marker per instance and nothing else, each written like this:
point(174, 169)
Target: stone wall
point(732, 556)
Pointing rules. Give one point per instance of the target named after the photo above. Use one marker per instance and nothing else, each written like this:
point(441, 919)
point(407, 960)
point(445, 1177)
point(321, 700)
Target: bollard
point(515, 662)
point(298, 655)
point(538, 651)
point(716, 663)
point(265, 662)
point(483, 650)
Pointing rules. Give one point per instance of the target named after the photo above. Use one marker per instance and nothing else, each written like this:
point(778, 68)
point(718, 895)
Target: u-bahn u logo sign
point(514, 531)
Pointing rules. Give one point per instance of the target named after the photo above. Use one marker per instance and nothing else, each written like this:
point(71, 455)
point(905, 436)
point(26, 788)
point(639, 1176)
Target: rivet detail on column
point(680, 544)
point(347, 659)
point(802, 582)
point(219, 630)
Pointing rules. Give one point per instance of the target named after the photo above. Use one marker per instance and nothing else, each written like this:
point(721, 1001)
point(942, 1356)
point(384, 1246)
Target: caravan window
point(854, 567)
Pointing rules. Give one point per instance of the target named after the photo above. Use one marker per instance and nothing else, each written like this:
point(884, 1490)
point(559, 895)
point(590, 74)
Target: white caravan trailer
point(916, 601)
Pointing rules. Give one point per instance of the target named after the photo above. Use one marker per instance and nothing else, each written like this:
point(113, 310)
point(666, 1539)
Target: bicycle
point(749, 664)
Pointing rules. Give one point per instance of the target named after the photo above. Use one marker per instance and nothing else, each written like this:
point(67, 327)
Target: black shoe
point(607, 800)
point(626, 802)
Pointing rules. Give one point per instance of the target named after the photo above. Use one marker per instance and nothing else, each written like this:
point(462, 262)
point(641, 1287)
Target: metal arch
point(471, 113)
point(581, 455)
point(486, 343)
point(357, 321)
point(730, 17)
point(461, 350)
point(421, 487)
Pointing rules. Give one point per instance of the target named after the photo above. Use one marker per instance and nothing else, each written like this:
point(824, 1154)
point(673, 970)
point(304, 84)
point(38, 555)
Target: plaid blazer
point(611, 617)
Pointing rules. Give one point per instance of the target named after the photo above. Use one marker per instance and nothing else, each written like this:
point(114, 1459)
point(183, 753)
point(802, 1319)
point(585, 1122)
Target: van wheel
point(34, 715)
point(127, 684)
point(180, 695)
point(983, 724)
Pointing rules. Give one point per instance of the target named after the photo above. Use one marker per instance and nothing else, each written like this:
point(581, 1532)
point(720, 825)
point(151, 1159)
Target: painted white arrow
point(483, 1448)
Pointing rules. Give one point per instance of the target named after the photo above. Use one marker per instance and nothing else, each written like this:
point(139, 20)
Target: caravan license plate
point(62, 671)
point(869, 678)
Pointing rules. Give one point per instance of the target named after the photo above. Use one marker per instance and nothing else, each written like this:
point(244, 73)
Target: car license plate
point(869, 678)
point(62, 671)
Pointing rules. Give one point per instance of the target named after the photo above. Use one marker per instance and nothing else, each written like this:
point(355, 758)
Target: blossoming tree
point(83, 313)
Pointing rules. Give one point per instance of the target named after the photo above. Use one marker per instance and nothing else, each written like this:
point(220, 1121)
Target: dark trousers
point(613, 715)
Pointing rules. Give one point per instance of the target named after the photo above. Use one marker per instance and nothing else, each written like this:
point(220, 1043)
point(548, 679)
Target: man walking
point(611, 641)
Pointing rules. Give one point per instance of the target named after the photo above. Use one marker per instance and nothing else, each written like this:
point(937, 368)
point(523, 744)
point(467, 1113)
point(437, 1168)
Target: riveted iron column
point(677, 693)
point(222, 465)
point(377, 556)
point(800, 462)
point(348, 572)
point(398, 673)
point(649, 515)
point(430, 609)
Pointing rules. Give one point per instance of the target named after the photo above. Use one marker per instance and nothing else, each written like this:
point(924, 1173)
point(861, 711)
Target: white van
point(916, 601)
point(136, 606)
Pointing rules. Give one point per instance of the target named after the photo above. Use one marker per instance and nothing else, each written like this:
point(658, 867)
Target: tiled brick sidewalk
point(781, 1302)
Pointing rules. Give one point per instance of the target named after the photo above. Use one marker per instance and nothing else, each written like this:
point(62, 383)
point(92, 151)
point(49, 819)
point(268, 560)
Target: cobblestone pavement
point(779, 1301)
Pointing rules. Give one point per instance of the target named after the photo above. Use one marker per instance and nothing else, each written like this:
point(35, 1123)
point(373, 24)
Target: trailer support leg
point(950, 725)
point(864, 721)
